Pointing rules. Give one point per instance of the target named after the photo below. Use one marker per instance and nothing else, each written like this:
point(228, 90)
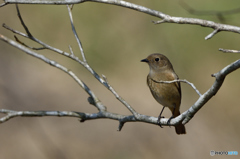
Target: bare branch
point(83, 116)
point(229, 51)
point(165, 18)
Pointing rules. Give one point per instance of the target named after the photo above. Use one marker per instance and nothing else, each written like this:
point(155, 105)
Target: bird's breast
point(167, 94)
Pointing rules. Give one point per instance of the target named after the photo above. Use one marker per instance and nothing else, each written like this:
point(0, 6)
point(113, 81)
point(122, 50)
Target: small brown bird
point(167, 94)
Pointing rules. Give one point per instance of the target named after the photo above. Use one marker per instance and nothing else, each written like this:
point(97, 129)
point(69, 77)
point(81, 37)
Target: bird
point(167, 94)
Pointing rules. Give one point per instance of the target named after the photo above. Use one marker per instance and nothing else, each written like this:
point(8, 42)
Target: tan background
point(115, 39)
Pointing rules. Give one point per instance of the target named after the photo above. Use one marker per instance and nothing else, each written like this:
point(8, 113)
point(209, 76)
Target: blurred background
point(115, 39)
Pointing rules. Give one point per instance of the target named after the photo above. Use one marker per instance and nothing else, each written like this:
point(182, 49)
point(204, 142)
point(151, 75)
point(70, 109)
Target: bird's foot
point(168, 122)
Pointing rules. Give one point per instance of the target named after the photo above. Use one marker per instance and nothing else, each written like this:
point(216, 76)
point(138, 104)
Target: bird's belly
point(166, 95)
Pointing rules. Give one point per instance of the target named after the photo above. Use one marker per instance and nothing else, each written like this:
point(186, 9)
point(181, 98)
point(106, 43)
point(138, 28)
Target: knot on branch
point(91, 101)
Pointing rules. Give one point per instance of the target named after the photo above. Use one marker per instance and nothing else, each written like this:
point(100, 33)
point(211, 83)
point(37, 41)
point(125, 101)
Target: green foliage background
point(115, 39)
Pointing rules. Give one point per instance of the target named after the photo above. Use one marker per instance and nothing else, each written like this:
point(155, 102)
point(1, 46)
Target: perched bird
point(167, 94)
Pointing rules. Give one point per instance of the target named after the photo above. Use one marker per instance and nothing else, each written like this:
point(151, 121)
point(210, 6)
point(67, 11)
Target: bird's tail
point(180, 128)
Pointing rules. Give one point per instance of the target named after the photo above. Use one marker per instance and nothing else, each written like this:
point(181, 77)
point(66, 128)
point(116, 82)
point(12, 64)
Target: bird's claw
point(168, 122)
point(158, 121)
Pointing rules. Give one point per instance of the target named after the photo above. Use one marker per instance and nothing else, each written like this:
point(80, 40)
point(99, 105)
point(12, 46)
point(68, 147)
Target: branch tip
point(71, 50)
point(213, 75)
point(158, 22)
point(229, 51)
point(104, 78)
point(212, 34)
point(76, 35)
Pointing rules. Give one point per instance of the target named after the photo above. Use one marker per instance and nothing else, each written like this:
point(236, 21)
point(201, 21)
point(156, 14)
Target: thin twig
point(184, 81)
point(212, 34)
point(159, 21)
point(71, 50)
point(23, 24)
point(75, 34)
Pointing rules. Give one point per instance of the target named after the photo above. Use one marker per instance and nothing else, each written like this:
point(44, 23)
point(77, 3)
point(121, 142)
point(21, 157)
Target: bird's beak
point(144, 60)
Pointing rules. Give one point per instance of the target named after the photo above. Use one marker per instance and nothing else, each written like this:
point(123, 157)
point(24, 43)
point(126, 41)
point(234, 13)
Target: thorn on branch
point(71, 51)
point(121, 124)
point(105, 81)
point(213, 75)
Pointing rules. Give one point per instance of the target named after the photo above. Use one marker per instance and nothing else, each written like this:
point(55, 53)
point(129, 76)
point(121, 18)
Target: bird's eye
point(156, 59)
